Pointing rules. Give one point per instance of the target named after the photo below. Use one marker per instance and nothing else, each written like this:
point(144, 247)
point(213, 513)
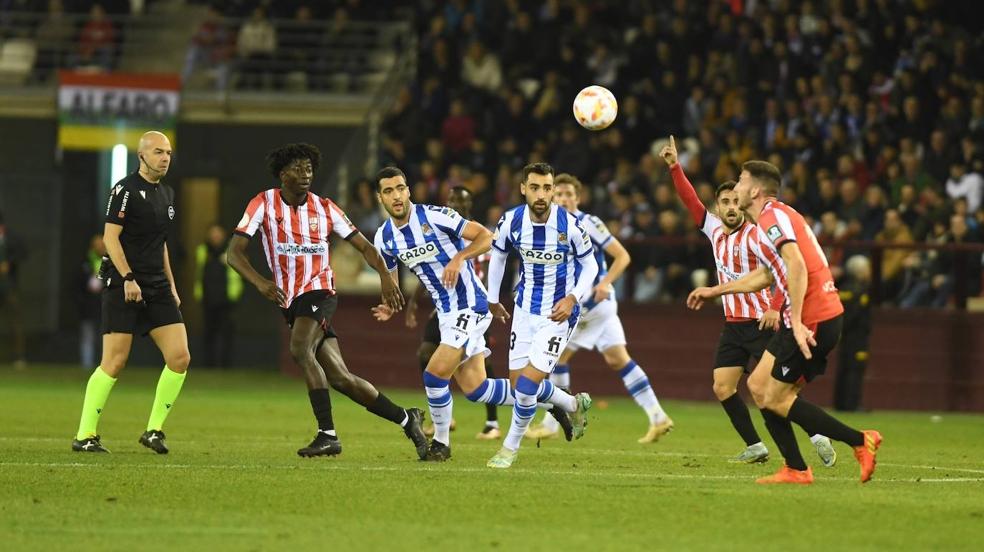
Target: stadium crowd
point(874, 110)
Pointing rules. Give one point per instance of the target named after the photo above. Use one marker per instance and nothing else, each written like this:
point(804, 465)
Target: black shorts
point(318, 305)
point(741, 342)
point(791, 366)
point(157, 309)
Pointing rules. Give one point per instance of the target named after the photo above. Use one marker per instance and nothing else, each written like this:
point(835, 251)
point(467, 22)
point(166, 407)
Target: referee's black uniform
point(146, 212)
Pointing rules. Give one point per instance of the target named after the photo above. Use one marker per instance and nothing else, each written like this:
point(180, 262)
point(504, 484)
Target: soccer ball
point(595, 108)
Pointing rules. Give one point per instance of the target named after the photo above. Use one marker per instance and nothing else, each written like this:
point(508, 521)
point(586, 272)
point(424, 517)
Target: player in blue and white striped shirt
point(600, 327)
point(430, 240)
point(556, 276)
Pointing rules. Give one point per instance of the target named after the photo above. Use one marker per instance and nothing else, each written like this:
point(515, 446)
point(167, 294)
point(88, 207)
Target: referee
point(140, 296)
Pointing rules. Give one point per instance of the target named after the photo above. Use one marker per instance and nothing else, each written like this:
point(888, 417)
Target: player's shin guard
point(96, 394)
point(493, 392)
point(168, 388)
point(782, 433)
point(637, 384)
point(815, 421)
point(439, 400)
point(523, 411)
point(561, 376)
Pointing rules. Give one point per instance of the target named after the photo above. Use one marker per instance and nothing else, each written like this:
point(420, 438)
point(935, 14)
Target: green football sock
point(96, 393)
point(168, 388)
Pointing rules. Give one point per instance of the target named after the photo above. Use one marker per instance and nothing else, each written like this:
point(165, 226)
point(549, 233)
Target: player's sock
point(321, 405)
point(168, 388)
point(813, 419)
point(561, 376)
point(491, 412)
point(637, 384)
point(493, 392)
point(439, 400)
point(548, 393)
point(386, 409)
point(782, 433)
point(523, 411)
point(740, 418)
point(96, 393)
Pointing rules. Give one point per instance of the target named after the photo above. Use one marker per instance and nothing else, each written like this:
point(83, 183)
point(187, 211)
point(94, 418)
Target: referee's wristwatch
point(129, 277)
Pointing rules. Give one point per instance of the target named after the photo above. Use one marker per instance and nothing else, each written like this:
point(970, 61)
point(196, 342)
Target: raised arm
point(683, 186)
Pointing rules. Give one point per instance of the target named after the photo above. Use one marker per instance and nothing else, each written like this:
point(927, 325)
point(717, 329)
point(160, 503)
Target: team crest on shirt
point(426, 229)
point(562, 237)
point(737, 251)
point(170, 212)
point(774, 233)
point(313, 224)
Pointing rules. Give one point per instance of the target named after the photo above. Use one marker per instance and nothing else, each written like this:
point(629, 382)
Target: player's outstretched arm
point(756, 280)
point(481, 242)
point(237, 259)
point(683, 186)
point(391, 295)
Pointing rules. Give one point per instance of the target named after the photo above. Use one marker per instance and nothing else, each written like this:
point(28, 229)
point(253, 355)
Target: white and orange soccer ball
point(595, 108)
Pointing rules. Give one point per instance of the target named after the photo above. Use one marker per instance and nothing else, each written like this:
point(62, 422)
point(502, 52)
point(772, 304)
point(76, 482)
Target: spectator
point(54, 37)
point(852, 360)
point(211, 48)
point(97, 41)
point(480, 68)
point(458, 129)
point(218, 288)
point(255, 45)
point(893, 260)
point(90, 304)
point(965, 184)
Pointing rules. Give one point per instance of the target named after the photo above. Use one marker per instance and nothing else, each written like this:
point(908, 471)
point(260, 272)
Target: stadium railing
point(964, 256)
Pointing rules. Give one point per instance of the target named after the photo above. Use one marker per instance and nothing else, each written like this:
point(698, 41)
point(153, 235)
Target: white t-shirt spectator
point(970, 186)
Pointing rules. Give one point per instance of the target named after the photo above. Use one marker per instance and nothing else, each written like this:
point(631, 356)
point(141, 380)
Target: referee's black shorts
point(741, 342)
point(318, 305)
point(791, 366)
point(157, 309)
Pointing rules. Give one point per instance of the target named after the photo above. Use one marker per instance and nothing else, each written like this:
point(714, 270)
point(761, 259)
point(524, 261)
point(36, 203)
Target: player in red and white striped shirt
point(459, 199)
point(811, 329)
point(750, 318)
point(296, 226)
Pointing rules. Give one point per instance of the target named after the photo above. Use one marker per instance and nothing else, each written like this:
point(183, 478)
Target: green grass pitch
point(233, 481)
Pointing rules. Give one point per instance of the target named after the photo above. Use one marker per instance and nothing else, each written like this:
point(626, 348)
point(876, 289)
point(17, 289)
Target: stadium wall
point(920, 359)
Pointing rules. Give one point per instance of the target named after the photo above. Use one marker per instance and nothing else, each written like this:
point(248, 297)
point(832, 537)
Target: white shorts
point(599, 328)
point(537, 340)
point(465, 329)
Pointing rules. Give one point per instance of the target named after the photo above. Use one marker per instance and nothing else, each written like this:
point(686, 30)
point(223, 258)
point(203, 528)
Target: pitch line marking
point(328, 467)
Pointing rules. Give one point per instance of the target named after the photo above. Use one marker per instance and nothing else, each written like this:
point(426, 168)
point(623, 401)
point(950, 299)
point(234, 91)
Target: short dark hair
point(388, 172)
point(724, 187)
point(568, 179)
point(537, 168)
point(279, 158)
point(767, 174)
